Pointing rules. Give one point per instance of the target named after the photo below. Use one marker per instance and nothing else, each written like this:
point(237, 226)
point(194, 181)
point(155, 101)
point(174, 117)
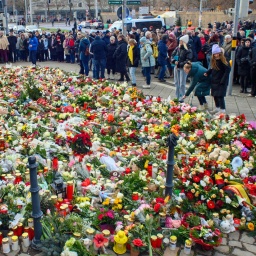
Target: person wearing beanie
point(207, 48)
point(147, 60)
point(162, 57)
point(181, 55)
point(242, 59)
point(219, 71)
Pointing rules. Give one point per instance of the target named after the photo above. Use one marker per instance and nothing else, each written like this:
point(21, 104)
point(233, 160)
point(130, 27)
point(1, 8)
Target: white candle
point(6, 245)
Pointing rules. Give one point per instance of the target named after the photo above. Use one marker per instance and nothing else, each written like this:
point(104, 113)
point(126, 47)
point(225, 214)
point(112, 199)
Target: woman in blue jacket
point(162, 57)
point(85, 54)
point(200, 84)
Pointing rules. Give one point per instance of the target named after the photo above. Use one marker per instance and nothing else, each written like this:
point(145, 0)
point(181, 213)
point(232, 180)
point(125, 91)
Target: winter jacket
point(252, 57)
point(199, 82)
point(227, 50)
point(99, 49)
point(242, 59)
point(40, 46)
point(197, 46)
point(183, 56)
point(106, 39)
point(84, 44)
point(162, 51)
point(12, 42)
point(33, 42)
point(120, 56)
point(207, 48)
point(172, 44)
point(219, 79)
point(111, 62)
point(146, 55)
point(136, 57)
point(201, 54)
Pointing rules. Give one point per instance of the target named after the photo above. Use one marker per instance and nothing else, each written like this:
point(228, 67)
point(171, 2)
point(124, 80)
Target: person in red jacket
point(201, 55)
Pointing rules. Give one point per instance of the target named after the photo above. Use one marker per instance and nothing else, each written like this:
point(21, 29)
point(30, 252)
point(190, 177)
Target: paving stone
point(23, 254)
point(224, 241)
point(235, 244)
point(203, 253)
point(250, 247)
point(247, 239)
point(219, 254)
point(168, 252)
point(234, 235)
point(238, 252)
point(183, 254)
point(223, 248)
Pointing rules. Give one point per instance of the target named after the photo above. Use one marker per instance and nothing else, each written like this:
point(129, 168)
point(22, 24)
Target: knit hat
point(143, 40)
point(216, 49)
point(185, 39)
point(227, 36)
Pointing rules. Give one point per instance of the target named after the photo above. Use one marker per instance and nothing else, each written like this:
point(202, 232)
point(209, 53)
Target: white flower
point(202, 183)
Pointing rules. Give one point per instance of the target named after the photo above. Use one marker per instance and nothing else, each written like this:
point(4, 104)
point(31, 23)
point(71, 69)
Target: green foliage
point(32, 88)
point(193, 221)
point(72, 223)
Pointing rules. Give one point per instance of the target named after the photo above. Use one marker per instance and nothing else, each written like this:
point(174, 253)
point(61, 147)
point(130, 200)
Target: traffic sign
point(120, 11)
point(133, 2)
point(114, 2)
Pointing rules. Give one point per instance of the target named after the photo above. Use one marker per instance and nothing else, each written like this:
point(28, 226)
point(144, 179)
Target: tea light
point(25, 239)
point(6, 245)
point(173, 242)
point(30, 222)
point(15, 245)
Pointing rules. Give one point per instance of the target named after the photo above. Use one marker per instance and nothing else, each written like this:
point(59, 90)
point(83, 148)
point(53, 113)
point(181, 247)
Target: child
point(219, 69)
point(199, 83)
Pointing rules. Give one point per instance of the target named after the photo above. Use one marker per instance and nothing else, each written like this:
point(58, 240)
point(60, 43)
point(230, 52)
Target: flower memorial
point(101, 150)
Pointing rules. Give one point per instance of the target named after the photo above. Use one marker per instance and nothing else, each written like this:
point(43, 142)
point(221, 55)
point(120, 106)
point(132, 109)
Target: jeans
point(202, 100)
point(23, 55)
point(72, 57)
point(94, 69)
point(132, 71)
point(219, 102)
point(100, 68)
point(85, 62)
point(208, 58)
point(180, 82)
point(68, 58)
point(162, 72)
point(146, 71)
point(32, 56)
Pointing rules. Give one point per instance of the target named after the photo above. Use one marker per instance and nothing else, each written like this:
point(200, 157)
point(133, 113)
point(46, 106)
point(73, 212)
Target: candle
point(25, 239)
point(20, 229)
point(135, 196)
point(2, 144)
point(106, 234)
point(63, 211)
point(6, 245)
point(1, 238)
point(187, 247)
point(15, 245)
point(55, 163)
point(77, 235)
point(150, 169)
point(153, 240)
point(154, 170)
point(27, 176)
point(30, 223)
point(173, 242)
point(15, 231)
point(31, 233)
point(9, 235)
point(162, 219)
point(70, 190)
point(18, 178)
point(145, 128)
point(90, 233)
point(159, 240)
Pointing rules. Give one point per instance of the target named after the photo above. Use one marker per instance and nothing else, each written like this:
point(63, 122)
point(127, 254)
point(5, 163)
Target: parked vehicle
point(33, 28)
point(19, 29)
point(97, 25)
point(85, 24)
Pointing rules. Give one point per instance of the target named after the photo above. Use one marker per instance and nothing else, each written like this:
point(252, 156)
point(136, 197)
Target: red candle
point(55, 163)
point(15, 231)
point(85, 105)
point(127, 170)
point(18, 179)
point(158, 99)
point(31, 233)
point(135, 196)
point(149, 169)
point(145, 128)
point(153, 241)
point(70, 190)
point(1, 238)
point(20, 229)
point(159, 240)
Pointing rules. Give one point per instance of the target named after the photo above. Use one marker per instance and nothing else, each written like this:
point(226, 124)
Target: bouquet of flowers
point(81, 143)
point(208, 237)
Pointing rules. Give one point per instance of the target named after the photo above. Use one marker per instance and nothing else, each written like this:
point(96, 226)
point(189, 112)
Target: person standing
point(147, 60)
point(171, 47)
point(59, 47)
point(4, 44)
point(200, 84)
point(84, 47)
point(66, 50)
point(71, 48)
point(133, 59)
point(227, 46)
point(111, 64)
point(219, 71)
point(32, 47)
point(45, 41)
point(162, 57)
point(74, 26)
point(252, 60)
point(99, 50)
point(120, 56)
point(52, 47)
point(12, 46)
point(180, 56)
point(22, 48)
point(242, 59)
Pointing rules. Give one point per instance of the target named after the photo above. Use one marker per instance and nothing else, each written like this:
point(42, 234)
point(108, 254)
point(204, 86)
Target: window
point(146, 24)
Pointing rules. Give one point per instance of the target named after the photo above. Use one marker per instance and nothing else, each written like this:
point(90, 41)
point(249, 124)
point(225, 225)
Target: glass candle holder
point(30, 223)
point(173, 242)
point(135, 196)
point(106, 234)
point(153, 241)
point(9, 235)
point(187, 247)
point(25, 239)
point(1, 238)
point(90, 233)
point(15, 231)
point(6, 245)
point(70, 190)
point(77, 235)
point(162, 219)
point(159, 240)
point(15, 243)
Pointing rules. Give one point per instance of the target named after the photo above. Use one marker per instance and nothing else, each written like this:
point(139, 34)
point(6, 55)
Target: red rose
point(248, 143)
point(160, 200)
point(137, 242)
point(244, 155)
point(196, 179)
point(219, 204)
point(207, 172)
point(190, 195)
point(100, 216)
point(210, 204)
point(157, 207)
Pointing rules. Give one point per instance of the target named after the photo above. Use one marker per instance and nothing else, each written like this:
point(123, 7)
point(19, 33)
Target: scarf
point(130, 53)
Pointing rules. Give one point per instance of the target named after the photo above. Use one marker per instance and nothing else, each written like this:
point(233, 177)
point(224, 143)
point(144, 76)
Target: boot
point(121, 78)
point(127, 78)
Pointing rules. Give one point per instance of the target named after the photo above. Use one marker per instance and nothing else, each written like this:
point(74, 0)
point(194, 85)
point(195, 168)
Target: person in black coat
point(111, 65)
point(252, 60)
point(242, 59)
point(197, 45)
point(52, 47)
point(219, 70)
point(133, 59)
point(12, 39)
point(40, 50)
point(120, 56)
point(99, 50)
point(59, 47)
point(162, 57)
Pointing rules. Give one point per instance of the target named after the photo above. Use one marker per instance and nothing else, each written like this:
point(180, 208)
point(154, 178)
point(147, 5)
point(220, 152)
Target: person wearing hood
point(84, 47)
point(242, 59)
point(180, 56)
point(120, 57)
point(32, 47)
point(99, 51)
point(106, 37)
point(111, 64)
point(147, 60)
point(219, 71)
point(199, 84)
point(162, 57)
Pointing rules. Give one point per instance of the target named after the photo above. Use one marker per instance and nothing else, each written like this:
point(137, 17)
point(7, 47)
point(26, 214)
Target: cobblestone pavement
point(233, 244)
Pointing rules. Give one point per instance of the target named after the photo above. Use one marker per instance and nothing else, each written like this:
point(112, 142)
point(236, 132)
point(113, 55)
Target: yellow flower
point(106, 202)
point(213, 196)
point(193, 191)
point(250, 226)
point(197, 194)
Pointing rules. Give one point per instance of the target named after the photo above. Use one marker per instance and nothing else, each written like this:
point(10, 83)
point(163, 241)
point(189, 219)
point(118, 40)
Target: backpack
point(155, 50)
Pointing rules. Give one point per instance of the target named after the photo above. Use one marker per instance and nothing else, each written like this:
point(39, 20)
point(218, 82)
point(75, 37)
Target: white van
point(139, 23)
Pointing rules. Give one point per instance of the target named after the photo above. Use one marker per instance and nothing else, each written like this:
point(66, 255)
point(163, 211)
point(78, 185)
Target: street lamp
point(200, 14)
point(26, 12)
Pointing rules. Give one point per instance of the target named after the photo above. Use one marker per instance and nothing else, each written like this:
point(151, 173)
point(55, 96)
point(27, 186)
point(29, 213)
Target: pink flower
point(199, 132)
point(99, 240)
point(71, 163)
point(110, 214)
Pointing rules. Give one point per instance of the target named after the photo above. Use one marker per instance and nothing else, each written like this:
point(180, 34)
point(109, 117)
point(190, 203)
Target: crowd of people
point(202, 54)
